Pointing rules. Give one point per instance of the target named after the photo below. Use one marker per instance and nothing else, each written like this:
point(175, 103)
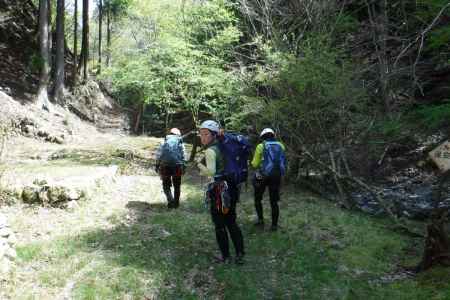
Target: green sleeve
point(257, 157)
point(210, 168)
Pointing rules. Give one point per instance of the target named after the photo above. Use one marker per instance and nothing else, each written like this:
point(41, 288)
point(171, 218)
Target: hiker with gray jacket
point(170, 164)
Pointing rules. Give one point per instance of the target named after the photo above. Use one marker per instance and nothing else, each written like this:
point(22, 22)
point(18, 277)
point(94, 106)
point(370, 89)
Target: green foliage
point(211, 27)
point(427, 10)
point(432, 117)
point(182, 67)
point(439, 38)
point(393, 127)
point(346, 23)
point(116, 7)
point(423, 119)
point(313, 96)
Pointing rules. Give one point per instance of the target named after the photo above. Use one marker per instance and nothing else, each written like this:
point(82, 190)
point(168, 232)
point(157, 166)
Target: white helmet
point(175, 131)
point(210, 125)
point(266, 131)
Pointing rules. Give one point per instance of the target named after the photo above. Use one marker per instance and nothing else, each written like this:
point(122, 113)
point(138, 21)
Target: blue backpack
point(236, 150)
point(274, 159)
point(172, 151)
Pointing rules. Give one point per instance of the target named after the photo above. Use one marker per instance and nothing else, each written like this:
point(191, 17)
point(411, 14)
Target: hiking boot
point(273, 228)
point(219, 259)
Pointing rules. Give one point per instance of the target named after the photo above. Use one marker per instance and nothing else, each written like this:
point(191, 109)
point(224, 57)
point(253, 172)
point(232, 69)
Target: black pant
point(227, 222)
point(171, 176)
point(274, 194)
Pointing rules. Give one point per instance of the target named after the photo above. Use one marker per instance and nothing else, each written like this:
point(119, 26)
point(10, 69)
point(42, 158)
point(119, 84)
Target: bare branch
point(421, 36)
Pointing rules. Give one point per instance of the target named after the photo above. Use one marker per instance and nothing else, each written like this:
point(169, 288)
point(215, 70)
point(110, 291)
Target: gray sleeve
point(183, 152)
point(158, 152)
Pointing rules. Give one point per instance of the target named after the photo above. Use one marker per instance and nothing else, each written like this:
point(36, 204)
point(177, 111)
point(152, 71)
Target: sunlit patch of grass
point(320, 252)
point(28, 252)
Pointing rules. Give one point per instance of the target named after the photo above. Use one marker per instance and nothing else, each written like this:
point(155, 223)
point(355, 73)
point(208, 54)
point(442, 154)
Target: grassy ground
point(124, 244)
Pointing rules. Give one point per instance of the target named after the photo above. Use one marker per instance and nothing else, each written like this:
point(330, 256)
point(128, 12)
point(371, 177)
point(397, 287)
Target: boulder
point(30, 195)
point(54, 196)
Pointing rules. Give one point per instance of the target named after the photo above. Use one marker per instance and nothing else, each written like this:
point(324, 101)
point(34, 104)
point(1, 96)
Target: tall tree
point(50, 34)
point(108, 34)
point(75, 43)
point(100, 20)
point(114, 9)
point(42, 98)
point(85, 39)
point(378, 17)
point(60, 74)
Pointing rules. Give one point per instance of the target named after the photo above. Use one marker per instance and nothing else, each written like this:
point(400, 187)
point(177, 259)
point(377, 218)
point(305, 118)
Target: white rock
point(12, 240)
point(73, 194)
point(11, 253)
point(3, 222)
point(72, 204)
point(5, 232)
point(3, 250)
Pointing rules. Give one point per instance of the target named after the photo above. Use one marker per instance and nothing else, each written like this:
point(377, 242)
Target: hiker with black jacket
point(223, 194)
point(170, 164)
point(269, 161)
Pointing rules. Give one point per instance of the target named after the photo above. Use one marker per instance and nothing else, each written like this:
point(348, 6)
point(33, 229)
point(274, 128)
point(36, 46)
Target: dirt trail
point(30, 156)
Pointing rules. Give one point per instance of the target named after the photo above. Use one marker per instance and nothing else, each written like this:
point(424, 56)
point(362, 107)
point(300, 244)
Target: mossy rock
point(30, 195)
point(59, 195)
point(55, 196)
point(40, 182)
point(124, 153)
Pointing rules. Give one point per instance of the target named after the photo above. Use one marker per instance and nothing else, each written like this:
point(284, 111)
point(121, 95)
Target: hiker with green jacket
point(269, 161)
point(170, 164)
point(222, 204)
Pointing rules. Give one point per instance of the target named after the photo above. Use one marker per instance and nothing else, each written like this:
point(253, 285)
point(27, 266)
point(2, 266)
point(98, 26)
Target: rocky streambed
point(409, 193)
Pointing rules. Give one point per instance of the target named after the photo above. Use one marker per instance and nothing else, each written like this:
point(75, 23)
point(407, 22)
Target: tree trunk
point(437, 242)
point(75, 43)
point(50, 37)
point(108, 36)
point(382, 25)
point(437, 246)
point(100, 20)
point(137, 119)
point(336, 170)
point(85, 39)
point(42, 98)
point(60, 47)
point(379, 22)
point(195, 145)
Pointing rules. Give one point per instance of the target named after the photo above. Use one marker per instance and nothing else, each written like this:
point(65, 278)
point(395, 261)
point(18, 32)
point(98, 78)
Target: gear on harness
point(217, 193)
